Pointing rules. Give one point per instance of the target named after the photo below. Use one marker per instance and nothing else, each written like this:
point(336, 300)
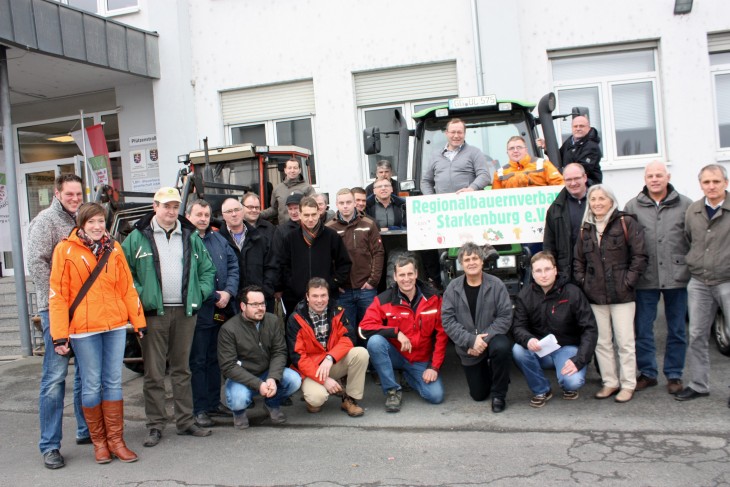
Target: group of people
point(277, 308)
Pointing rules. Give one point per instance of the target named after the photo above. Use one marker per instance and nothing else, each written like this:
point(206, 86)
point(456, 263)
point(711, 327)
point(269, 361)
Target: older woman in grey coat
point(477, 315)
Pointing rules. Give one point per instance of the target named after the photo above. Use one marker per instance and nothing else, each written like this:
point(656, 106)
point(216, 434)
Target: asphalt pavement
point(651, 441)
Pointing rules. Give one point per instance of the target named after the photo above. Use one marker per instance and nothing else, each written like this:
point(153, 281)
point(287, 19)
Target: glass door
point(39, 185)
point(36, 186)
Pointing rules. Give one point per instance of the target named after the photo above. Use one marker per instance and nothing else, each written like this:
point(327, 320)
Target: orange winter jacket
point(111, 301)
point(527, 172)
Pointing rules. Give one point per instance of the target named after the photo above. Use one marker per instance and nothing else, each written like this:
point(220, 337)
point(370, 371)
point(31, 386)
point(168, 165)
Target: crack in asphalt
point(604, 458)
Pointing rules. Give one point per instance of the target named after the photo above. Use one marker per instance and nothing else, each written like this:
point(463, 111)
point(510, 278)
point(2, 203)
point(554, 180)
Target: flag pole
point(86, 160)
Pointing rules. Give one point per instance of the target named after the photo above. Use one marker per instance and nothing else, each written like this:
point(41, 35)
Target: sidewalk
point(652, 440)
point(650, 410)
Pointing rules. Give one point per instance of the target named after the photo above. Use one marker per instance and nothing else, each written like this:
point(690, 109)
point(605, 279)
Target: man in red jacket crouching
point(321, 347)
point(404, 331)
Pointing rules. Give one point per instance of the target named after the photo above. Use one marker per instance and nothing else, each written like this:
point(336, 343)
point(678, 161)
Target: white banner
point(501, 216)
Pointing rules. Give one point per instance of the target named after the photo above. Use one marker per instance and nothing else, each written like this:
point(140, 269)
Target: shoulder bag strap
point(626, 231)
point(87, 285)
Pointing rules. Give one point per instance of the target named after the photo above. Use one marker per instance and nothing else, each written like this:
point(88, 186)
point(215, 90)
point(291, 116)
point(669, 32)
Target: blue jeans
point(386, 358)
point(356, 302)
point(675, 309)
point(100, 358)
point(205, 374)
point(53, 391)
point(239, 396)
point(532, 367)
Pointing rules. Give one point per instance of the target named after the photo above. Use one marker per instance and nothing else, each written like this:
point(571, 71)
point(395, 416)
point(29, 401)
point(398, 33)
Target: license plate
point(505, 261)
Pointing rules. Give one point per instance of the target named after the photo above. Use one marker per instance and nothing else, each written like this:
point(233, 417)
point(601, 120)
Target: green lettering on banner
point(540, 214)
point(495, 216)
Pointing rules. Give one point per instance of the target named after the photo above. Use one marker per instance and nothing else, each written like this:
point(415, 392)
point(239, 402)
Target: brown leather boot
point(350, 406)
point(114, 420)
point(97, 432)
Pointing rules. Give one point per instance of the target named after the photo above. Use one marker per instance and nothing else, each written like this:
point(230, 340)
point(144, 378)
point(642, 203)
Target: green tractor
point(489, 124)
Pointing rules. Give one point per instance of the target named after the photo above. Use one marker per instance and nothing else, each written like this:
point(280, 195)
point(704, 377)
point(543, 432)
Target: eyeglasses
point(233, 210)
point(256, 305)
point(252, 207)
point(543, 271)
point(382, 186)
point(517, 147)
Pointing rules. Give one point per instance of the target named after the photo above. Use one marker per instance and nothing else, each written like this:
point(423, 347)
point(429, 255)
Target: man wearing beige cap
point(173, 274)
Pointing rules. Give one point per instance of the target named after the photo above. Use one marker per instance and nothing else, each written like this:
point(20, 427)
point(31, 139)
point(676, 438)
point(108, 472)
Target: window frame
point(407, 109)
point(605, 85)
point(102, 8)
point(723, 153)
point(97, 118)
point(272, 137)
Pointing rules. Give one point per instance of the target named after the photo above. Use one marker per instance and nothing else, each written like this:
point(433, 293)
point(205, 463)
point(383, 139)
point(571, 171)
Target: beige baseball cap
point(167, 194)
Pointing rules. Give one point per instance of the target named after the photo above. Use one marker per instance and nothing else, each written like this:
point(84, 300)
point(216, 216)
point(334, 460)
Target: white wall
point(173, 95)
point(136, 117)
point(244, 43)
point(207, 46)
point(501, 48)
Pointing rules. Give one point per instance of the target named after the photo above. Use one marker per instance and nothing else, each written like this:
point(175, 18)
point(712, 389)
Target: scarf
point(310, 235)
point(97, 248)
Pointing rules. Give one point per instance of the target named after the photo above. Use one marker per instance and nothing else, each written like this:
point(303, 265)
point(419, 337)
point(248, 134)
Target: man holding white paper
point(551, 306)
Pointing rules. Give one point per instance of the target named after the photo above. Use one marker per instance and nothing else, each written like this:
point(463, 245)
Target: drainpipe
point(12, 194)
point(477, 47)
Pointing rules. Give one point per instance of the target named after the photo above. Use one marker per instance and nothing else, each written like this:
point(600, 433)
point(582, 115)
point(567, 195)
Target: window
point(279, 132)
point(249, 134)
point(620, 90)
point(409, 89)
point(720, 69)
point(104, 7)
point(51, 140)
point(384, 119)
point(279, 114)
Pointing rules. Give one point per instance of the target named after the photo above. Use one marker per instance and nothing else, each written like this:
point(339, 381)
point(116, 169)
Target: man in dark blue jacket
point(552, 307)
point(253, 251)
point(204, 370)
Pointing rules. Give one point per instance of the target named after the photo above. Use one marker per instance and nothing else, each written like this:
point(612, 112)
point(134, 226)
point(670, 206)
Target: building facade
point(315, 73)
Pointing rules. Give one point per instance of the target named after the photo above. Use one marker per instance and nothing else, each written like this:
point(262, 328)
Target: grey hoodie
point(46, 230)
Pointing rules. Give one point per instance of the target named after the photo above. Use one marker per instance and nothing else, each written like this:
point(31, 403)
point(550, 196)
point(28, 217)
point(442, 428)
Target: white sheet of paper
point(549, 344)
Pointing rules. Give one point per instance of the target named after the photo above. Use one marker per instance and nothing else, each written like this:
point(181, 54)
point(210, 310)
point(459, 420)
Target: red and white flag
point(97, 153)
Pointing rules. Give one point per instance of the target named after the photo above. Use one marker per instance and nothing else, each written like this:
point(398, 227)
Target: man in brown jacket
point(361, 237)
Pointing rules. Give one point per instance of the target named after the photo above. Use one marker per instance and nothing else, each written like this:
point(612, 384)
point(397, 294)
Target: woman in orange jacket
point(522, 171)
point(97, 328)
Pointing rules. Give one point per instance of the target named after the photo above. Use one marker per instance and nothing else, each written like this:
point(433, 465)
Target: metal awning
point(57, 50)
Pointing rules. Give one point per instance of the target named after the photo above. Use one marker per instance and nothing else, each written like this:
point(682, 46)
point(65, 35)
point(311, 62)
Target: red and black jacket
point(305, 351)
point(390, 313)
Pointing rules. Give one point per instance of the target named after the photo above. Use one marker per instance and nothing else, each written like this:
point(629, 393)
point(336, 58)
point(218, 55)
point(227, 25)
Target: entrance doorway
point(36, 186)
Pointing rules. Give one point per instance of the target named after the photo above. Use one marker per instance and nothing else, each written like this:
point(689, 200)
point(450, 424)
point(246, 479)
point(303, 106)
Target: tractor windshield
point(489, 132)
